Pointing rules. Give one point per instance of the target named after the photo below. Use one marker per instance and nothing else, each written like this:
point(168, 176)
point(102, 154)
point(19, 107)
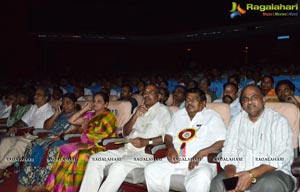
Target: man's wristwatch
point(253, 179)
point(150, 141)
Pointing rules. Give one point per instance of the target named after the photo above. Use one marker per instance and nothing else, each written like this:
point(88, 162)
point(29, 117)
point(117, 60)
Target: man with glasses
point(12, 148)
point(193, 133)
point(146, 126)
point(258, 148)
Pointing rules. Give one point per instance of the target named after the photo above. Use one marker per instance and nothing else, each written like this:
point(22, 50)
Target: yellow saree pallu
point(68, 169)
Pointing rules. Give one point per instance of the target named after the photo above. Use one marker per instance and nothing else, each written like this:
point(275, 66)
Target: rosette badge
point(185, 136)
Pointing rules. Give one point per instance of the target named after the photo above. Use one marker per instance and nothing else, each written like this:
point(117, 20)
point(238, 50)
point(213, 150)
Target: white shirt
point(5, 112)
point(235, 107)
point(36, 117)
point(208, 125)
point(151, 124)
point(267, 141)
point(87, 91)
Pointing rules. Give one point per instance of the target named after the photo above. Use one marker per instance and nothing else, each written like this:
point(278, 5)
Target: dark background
point(42, 36)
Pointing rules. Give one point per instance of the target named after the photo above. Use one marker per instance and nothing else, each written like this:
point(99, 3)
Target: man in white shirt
point(146, 126)
point(194, 132)
point(258, 148)
point(12, 148)
point(230, 96)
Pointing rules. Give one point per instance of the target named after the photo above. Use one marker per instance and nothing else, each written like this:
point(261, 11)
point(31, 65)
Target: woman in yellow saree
point(69, 166)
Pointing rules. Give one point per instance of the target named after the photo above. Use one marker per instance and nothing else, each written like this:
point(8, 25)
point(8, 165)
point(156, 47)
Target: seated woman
point(34, 173)
point(68, 169)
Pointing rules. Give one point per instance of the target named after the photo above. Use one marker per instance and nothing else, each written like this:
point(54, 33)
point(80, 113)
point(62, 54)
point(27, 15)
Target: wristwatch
point(150, 141)
point(253, 179)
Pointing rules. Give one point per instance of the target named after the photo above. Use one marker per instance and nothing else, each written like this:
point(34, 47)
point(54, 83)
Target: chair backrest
point(223, 109)
point(138, 98)
point(113, 98)
point(271, 98)
point(292, 113)
point(122, 110)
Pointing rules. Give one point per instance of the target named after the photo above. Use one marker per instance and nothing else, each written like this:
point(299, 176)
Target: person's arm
point(17, 125)
point(141, 142)
point(204, 152)
point(128, 126)
point(77, 118)
point(49, 123)
point(245, 178)
point(293, 100)
point(172, 154)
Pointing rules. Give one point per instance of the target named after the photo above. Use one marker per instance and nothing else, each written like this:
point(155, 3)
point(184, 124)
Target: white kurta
point(151, 124)
point(209, 128)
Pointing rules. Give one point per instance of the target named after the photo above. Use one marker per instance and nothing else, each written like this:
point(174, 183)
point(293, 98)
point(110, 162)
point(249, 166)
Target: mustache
point(227, 96)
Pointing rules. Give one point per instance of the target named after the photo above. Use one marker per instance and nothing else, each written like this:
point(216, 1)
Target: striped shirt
point(267, 141)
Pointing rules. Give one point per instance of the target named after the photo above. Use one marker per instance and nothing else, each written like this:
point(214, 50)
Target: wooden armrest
point(214, 157)
point(23, 130)
point(159, 151)
point(41, 132)
point(296, 167)
point(113, 142)
point(72, 137)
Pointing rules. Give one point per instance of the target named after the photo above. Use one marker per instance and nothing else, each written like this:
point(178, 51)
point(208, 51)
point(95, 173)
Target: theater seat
point(159, 151)
point(292, 113)
point(138, 98)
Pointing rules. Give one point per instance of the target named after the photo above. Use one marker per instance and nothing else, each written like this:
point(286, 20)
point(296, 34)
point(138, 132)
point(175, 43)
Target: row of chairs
point(135, 179)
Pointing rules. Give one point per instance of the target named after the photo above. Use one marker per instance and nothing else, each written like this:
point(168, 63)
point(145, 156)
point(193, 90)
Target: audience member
point(194, 132)
point(258, 148)
point(230, 96)
point(97, 123)
point(267, 85)
point(146, 126)
point(285, 90)
point(33, 174)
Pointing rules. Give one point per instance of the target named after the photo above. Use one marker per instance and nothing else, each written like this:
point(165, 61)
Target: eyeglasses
point(252, 98)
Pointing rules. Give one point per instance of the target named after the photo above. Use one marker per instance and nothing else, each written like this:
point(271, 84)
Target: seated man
point(10, 100)
point(230, 96)
point(146, 126)
point(258, 148)
point(179, 96)
point(126, 93)
point(194, 133)
point(285, 90)
point(23, 105)
point(14, 147)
